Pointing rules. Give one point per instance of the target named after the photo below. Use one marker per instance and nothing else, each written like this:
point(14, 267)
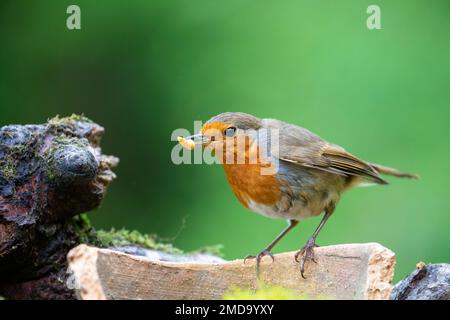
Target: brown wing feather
point(342, 160)
point(301, 146)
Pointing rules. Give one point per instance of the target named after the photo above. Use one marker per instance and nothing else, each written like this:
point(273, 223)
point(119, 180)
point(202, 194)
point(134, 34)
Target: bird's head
point(224, 128)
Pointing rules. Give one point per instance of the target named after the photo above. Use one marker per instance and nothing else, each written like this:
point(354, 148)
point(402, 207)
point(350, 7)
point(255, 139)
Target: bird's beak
point(192, 141)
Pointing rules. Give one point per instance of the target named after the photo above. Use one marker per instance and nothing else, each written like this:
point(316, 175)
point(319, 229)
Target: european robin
point(284, 171)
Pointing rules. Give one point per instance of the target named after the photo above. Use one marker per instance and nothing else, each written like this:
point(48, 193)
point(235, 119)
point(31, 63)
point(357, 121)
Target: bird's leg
point(267, 251)
point(307, 252)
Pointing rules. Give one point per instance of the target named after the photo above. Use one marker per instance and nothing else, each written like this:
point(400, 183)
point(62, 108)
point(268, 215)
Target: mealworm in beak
point(188, 144)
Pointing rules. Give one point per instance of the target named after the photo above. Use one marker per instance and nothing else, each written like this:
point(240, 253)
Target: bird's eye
point(230, 131)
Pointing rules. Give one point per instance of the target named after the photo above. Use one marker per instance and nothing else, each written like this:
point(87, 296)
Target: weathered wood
point(350, 271)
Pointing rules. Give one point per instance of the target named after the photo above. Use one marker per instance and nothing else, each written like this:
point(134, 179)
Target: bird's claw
point(258, 258)
point(306, 253)
point(260, 255)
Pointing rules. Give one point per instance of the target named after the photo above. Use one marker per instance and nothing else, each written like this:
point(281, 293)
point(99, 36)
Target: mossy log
point(49, 173)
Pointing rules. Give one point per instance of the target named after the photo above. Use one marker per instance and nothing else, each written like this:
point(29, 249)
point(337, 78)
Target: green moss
point(8, 170)
point(125, 237)
point(65, 140)
point(9, 163)
point(57, 120)
point(264, 292)
point(115, 238)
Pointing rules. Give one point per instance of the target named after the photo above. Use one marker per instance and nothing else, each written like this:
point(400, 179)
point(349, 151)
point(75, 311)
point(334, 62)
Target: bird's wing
point(351, 165)
point(302, 147)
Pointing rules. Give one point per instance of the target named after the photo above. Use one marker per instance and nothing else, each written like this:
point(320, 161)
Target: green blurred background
point(144, 68)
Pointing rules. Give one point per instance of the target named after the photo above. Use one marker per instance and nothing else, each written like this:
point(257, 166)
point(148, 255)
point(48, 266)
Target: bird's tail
point(393, 172)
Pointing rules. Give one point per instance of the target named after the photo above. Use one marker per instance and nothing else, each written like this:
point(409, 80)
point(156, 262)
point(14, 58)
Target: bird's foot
point(306, 253)
point(258, 258)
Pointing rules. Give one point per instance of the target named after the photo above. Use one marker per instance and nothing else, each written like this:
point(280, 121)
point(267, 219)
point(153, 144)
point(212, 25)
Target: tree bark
point(49, 173)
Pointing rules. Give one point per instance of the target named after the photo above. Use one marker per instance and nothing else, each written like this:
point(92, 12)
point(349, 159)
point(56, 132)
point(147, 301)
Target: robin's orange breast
point(249, 184)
